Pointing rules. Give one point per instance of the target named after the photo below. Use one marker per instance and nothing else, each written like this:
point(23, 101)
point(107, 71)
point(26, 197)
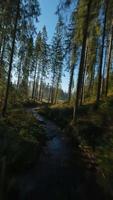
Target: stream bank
point(59, 172)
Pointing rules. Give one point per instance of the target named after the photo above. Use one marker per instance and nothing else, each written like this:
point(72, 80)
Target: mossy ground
point(93, 133)
point(21, 139)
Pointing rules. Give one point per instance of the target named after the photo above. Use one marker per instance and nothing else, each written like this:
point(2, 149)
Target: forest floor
point(40, 159)
point(92, 134)
point(21, 141)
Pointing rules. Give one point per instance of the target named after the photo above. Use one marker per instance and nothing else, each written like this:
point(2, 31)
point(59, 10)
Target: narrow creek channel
point(54, 177)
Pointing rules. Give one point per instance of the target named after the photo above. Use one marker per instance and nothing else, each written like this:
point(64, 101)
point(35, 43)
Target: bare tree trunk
point(42, 93)
point(81, 67)
point(49, 96)
point(52, 94)
point(57, 88)
point(71, 82)
point(109, 61)
point(84, 73)
point(52, 87)
point(90, 88)
point(56, 95)
point(37, 84)
point(1, 57)
point(19, 76)
point(34, 83)
point(104, 69)
point(101, 56)
point(72, 68)
point(11, 60)
point(40, 90)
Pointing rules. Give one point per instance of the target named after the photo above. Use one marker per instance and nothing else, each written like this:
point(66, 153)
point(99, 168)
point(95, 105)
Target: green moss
point(93, 130)
point(21, 139)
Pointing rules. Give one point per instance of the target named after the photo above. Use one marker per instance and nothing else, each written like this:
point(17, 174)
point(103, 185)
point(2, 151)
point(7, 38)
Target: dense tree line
point(30, 67)
point(91, 38)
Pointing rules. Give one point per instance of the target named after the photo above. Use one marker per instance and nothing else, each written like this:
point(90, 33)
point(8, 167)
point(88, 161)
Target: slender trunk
point(109, 61)
point(42, 93)
point(19, 76)
point(84, 73)
point(49, 96)
point(52, 87)
point(101, 56)
point(52, 95)
point(72, 68)
point(56, 94)
point(37, 83)
point(90, 88)
point(2, 57)
point(34, 83)
point(57, 88)
point(71, 82)
point(104, 70)
point(40, 90)
point(1, 41)
point(81, 67)
point(11, 60)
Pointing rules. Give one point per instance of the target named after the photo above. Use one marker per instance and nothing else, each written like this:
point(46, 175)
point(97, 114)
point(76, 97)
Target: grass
point(21, 139)
point(93, 134)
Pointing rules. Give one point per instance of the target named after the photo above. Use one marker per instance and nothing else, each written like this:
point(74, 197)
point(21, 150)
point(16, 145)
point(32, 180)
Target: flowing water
point(54, 177)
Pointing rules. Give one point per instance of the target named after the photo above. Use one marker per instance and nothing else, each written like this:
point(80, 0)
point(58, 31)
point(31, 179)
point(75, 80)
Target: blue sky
point(48, 18)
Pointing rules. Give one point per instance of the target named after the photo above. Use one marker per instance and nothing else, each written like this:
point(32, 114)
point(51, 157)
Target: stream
point(55, 176)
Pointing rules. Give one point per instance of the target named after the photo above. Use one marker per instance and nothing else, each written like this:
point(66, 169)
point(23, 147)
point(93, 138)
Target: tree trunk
point(101, 56)
point(90, 88)
point(37, 83)
point(52, 87)
point(34, 83)
point(1, 57)
point(109, 61)
point(71, 82)
point(104, 69)
point(40, 90)
point(81, 67)
point(84, 73)
point(11, 60)
point(72, 68)
point(49, 96)
point(57, 88)
point(19, 76)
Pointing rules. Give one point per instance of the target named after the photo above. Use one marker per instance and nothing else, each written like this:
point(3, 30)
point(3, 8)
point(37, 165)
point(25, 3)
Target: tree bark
point(34, 83)
point(72, 68)
point(11, 59)
point(19, 76)
point(37, 83)
point(84, 74)
point(109, 61)
point(40, 90)
point(2, 57)
point(71, 82)
point(101, 56)
point(104, 69)
point(81, 67)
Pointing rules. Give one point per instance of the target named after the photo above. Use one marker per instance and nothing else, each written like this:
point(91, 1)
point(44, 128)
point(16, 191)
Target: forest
point(56, 100)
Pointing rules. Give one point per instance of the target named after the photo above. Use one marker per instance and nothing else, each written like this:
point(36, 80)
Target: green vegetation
point(31, 72)
point(93, 135)
point(21, 140)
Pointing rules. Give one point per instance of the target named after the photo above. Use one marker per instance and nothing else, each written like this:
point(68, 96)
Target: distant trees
point(44, 61)
point(34, 68)
point(17, 19)
point(56, 60)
